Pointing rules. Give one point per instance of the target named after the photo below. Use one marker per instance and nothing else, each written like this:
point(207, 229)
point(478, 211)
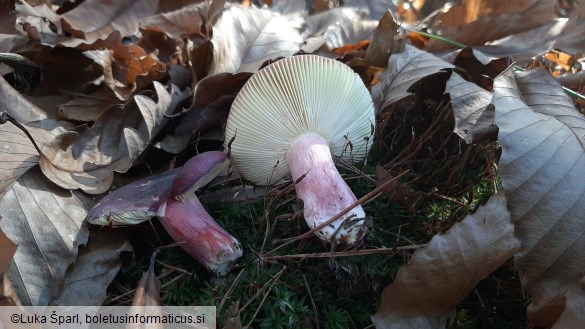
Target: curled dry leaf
point(543, 159)
point(94, 269)
point(441, 274)
point(148, 290)
point(244, 38)
point(481, 69)
point(123, 64)
point(86, 157)
point(212, 100)
point(474, 114)
point(386, 41)
point(48, 225)
point(476, 22)
point(336, 28)
point(404, 70)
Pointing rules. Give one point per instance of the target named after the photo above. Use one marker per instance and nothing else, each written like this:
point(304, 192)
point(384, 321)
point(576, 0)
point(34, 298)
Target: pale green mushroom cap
point(293, 96)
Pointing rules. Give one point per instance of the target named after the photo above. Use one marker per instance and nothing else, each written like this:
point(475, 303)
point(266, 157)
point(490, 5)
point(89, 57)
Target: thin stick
point(231, 289)
point(348, 253)
point(271, 283)
point(315, 312)
point(360, 201)
point(275, 277)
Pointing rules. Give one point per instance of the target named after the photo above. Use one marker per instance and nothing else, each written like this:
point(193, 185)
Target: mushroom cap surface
point(135, 202)
point(291, 97)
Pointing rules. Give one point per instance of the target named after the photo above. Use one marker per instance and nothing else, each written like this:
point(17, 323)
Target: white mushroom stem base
point(323, 192)
point(187, 221)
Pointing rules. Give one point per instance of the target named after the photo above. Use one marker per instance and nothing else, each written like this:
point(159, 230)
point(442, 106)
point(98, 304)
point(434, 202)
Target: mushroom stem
point(187, 221)
point(323, 192)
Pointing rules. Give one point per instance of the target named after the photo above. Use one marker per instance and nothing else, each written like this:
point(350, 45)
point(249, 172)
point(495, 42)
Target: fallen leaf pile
point(96, 94)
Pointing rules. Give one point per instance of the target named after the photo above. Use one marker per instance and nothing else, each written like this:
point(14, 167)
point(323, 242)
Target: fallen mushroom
point(171, 197)
point(292, 116)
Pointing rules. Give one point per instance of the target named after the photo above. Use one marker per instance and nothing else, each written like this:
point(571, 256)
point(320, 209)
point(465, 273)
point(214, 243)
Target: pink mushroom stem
point(187, 221)
point(323, 192)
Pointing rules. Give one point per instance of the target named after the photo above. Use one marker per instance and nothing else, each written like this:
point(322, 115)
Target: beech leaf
point(85, 158)
point(96, 266)
point(17, 155)
point(474, 117)
point(542, 137)
point(441, 274)
point(47, 224)
point(93, 20)
point(476, 22)
point(244, 38)
point(404, 70)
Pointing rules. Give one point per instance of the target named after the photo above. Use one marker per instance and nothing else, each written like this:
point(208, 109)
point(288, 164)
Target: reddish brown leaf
point(122, 64)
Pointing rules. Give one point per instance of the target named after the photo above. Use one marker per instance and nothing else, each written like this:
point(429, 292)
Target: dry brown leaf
point(404, 70)
point(39, 23)
point(244, 38)
point(148, 290)
point(542, 163)
point(97, 19)
point(123, 64)
point(85, 158)
point(386, 41)
point(475, 22)
point(441, 274)
point(182, 22)
point(573, 315)
point(472, 109)
point(212, 100)
point(336, 28)
point(7, 250)
point(7, 17)
point(48, 225)
point(374, 9)
point(17, 155)
point(86, 108)
point(94, 269)
point(481, 69)
point(562, 33)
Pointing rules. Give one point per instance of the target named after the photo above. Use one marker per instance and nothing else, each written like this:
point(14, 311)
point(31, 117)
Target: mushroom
point(296, 115)
point(171, 197)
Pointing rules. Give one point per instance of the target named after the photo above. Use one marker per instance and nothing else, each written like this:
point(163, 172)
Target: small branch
point(344, 253)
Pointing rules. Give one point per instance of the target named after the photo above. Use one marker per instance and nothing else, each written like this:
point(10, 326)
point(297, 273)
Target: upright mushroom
point(292, 116)
point(171, 197)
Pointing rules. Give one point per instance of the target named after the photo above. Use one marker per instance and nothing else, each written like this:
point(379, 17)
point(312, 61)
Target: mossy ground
point(344, 291)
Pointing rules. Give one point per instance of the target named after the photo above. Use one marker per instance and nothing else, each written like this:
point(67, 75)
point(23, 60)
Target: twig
point(348, 253)
point(315, 312)
point(270, 284)
point(231, 289)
